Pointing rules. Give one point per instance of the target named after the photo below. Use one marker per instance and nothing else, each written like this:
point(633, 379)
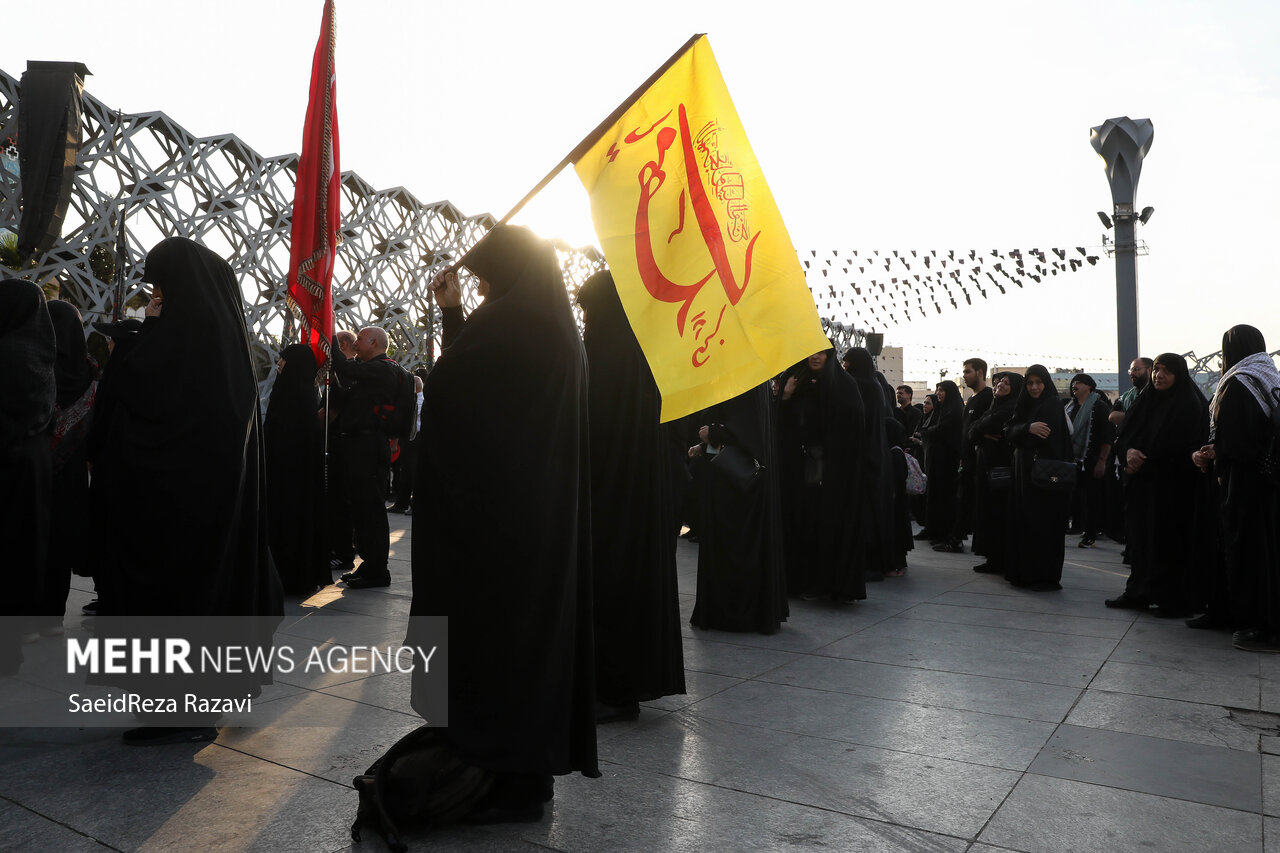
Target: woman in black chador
point(27, 353)
point(294, 438)
point(1242, 411)
point(503, 533)
point(1166, 424)
point(822, 429)
point(942, 462)
point(183, 457)
point(741, 583)
point(1037, 516)
point(639, 651)
point(994, 475)
point(873, 512)
point(75, 375)
point(182, 467)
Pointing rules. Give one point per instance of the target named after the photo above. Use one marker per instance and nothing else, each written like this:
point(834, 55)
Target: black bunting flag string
point(894, 287)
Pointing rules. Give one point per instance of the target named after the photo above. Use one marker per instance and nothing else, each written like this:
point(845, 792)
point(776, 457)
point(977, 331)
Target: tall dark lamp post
point(1122, 143)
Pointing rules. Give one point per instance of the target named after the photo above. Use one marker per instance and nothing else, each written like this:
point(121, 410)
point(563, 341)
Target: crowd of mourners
point(547, 498)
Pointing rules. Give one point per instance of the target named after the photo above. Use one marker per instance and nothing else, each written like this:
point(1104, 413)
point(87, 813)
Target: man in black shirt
point(369, 384)
point(975, 377)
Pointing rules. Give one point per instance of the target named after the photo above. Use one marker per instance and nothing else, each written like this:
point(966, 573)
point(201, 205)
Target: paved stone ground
point(948, 712)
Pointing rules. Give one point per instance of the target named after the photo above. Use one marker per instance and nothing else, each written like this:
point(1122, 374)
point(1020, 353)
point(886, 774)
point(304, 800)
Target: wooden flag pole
point(590, 139)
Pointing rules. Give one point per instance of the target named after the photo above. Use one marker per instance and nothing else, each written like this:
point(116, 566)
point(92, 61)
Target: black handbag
point(1269, 464)
point(1053, 475)
point(1000, 478)
point(813, 467)
point(737, 466)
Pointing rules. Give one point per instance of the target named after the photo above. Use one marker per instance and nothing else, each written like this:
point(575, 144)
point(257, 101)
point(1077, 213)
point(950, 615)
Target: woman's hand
point(447, 290)
point(695, 451)
point(155, 306)
point(1203, 458)
point(790, 388)
point(1134, 460)
point(1100, 470)
point(1039, 429)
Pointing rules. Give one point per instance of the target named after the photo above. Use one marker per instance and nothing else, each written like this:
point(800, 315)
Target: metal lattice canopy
point(217, 190)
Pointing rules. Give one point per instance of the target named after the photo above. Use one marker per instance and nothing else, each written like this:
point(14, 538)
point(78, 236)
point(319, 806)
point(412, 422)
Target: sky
point(913, 125)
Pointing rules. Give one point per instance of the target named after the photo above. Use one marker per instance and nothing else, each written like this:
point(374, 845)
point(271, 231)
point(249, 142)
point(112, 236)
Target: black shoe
point(400, 508)
point(90, 609)
point(988, 569)
point(1043, 587)
point(1169, 612)
point(341, 564)
point(1125, 602)
point(949, 547)
point(923, 535)
point(160, 735)
point(1255, 640)
point(1208, 621)
point(607, 712)
point(1086, 542)
point(367, 580)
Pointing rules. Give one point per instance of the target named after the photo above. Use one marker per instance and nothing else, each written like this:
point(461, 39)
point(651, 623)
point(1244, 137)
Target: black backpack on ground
point(419, 783)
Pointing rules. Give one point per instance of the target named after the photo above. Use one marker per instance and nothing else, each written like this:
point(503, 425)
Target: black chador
point(741, 586)
point(294, 440)
point(1037, 517)
point(639, 651)
point(502, 540)
point(1166, 426)
point(183, 457)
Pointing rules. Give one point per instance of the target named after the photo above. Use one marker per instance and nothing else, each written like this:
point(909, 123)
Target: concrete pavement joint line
point(286, 767)
point(65, 826)
point(866, 745)
point(1020, 629)
point(972, 674)
point(1103, 619)
point(813, 806)
point(903, 701)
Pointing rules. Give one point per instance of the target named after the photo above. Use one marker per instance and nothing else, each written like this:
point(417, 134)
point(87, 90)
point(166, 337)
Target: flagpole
point(591, 138)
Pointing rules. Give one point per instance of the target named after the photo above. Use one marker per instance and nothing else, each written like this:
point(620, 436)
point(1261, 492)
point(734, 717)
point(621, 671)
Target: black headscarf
point(1046, 409)
point(1239, 342)
point(507, 515)
point(73, 371)
point(1001, 410)
point(1165, 423)
point(935, 410)
point(294, 391)
point(27, 356)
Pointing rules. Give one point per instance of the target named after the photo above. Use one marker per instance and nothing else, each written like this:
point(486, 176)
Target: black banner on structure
point(49, 133)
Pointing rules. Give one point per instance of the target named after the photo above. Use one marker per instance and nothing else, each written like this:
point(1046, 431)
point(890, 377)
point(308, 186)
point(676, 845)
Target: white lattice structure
point(217, 190)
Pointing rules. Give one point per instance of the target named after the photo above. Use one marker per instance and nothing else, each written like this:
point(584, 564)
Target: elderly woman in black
point(994, 475)
point(1163, 428)
point(1038, 506)
point(1242, 412)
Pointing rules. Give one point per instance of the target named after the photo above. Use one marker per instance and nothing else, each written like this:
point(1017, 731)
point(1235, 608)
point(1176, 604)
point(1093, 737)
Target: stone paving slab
point(1213, 775)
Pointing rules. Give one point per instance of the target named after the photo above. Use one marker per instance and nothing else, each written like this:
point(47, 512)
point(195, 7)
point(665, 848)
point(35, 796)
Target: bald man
point(369, 382)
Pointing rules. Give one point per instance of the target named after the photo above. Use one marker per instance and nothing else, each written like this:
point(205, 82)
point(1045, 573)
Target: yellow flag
point(703, 264)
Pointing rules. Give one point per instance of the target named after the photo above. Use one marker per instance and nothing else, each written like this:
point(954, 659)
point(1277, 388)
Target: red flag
point(316, 200)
